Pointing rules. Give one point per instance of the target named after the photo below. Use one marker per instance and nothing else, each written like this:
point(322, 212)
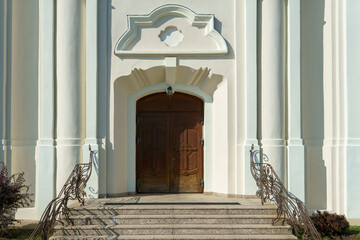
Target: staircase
point(173, 217)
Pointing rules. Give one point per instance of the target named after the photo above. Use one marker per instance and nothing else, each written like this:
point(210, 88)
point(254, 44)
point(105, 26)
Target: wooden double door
point(169, 152)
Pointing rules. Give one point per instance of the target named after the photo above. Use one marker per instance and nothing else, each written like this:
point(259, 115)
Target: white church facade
point(172, 95)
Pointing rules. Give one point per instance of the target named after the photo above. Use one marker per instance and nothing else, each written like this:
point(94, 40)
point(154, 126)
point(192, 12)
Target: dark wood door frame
point(169, 146)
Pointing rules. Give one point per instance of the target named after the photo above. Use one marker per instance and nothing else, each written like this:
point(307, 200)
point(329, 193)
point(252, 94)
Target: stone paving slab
point(173, 198)
point(178, 229)
point(179, 237)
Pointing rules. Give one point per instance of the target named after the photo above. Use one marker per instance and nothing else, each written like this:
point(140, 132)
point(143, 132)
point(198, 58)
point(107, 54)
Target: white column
point(92, 187)
point(295, 148)
point(45, 170)
point(70, 80)
point(272, 86)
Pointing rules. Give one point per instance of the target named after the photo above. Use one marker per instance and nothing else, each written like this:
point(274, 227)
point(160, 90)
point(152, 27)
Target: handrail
point(290, 209)
point(73, 189)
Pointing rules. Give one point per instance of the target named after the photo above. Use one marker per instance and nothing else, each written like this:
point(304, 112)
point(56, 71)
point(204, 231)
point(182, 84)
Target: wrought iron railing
point(73, 189)
point(290, 209)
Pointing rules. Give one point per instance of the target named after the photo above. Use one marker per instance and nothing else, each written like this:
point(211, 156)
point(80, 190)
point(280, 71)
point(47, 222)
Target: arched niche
point(127, 90)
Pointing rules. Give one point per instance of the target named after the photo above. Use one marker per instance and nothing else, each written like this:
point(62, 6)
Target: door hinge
point(201, 120)
point(201, 140)
point(138, 119)
point(201, 182)
point(138, 140)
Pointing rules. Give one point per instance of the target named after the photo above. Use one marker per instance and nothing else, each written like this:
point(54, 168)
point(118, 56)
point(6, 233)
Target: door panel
point(186, 152)
point(186, 103)
point(152, 152)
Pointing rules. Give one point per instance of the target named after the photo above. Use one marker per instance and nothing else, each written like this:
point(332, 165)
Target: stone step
point(174, 210)
point(179, 237)
point(170, 219)
point(195, 229)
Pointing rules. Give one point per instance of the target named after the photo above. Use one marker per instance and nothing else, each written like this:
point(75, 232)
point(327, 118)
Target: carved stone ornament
point(171, 30)
point(171, 36)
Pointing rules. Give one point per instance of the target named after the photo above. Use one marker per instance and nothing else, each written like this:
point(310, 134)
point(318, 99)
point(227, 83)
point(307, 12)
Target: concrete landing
point(174, 198)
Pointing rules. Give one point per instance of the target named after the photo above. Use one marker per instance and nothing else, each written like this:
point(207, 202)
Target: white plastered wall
point(220, 113)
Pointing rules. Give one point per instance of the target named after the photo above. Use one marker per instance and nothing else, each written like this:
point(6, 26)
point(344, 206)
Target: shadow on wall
point(105, 53)
point(312, 23)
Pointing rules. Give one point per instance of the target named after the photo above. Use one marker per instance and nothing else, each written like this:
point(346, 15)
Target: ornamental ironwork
point(290, 209)
point(73, 189)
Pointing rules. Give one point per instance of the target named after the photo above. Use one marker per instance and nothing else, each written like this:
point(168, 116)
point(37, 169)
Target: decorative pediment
point(171, 30)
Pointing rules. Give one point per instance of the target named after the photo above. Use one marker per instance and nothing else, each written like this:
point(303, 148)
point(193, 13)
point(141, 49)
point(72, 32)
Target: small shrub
point(13, 194)
point(330, 224)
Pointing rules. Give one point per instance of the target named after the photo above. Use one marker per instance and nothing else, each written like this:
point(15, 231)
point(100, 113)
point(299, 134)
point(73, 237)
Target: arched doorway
point(169, 145)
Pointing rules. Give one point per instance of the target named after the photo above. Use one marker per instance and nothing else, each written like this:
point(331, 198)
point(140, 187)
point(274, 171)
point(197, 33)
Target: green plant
point(330, 224)
point(13, 194)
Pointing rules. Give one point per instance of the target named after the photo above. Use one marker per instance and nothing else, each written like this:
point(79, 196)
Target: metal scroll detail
point(271, 189)
point(73, 189)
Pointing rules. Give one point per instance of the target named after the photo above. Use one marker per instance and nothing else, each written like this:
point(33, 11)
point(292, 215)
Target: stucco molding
point(126, 43)
point(184, 75)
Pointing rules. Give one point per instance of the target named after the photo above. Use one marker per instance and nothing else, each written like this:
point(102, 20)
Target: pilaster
point(2, 74)
point(6, 91)
point(251, 102)
point(92, 95)
point(271, 73)
point(351, 38)
point(46, 162)
point(295, 145)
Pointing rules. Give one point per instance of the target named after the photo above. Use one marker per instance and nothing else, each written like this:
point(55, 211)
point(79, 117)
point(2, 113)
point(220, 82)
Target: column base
point(296, 169)
point(6, 151)
point(274, 149)
point(2, 154)
point(68, 154)
point(249, 184)
point(352, 179)
point(45, 177)
point(315, 171)
point(92, 186)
